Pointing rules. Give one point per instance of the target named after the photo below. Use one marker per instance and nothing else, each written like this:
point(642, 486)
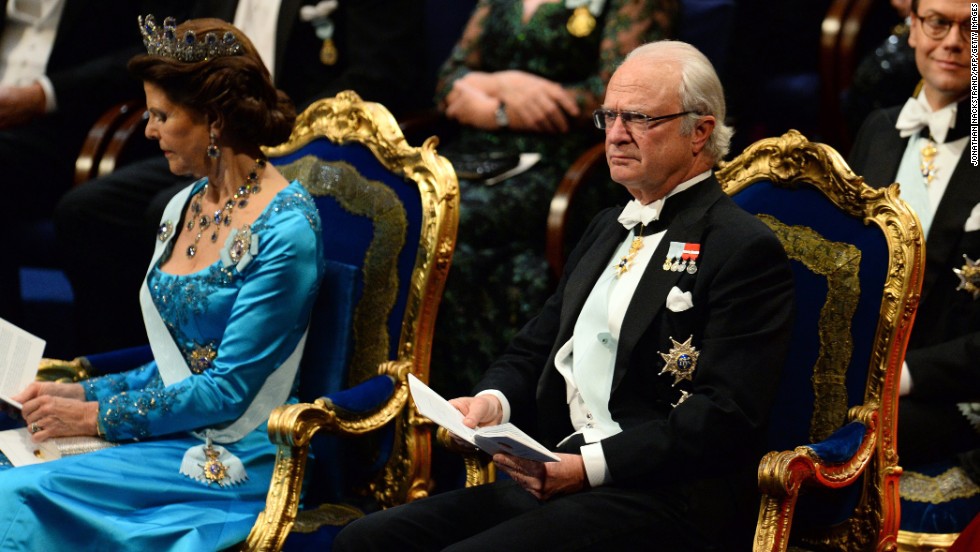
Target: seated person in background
point(62, 64)
point(633, 372)
point(884, 77)
point(227, 302)
point(524, 78)
point(925, 146)
point(107, 225)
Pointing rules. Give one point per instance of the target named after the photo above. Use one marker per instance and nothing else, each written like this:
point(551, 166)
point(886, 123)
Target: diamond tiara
point(163, 41)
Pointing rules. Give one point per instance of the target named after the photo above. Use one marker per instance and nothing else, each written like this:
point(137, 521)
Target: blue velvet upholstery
point(948, 514)
point(857, 257)
point(389, 213)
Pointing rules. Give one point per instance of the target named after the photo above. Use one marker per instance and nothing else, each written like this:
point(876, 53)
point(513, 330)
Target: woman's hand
point(57, 410)
point(535, 103)
point(471, 106)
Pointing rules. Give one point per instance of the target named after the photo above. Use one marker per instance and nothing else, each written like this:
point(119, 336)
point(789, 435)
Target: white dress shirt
point(258, 20)
point(588, 372)
point(25, 44)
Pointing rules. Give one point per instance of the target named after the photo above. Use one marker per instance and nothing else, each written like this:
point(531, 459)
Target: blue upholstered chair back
point(384, 211)
point(856, 258)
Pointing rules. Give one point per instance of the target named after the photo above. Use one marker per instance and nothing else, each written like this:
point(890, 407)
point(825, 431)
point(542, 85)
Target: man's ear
point(702, 131)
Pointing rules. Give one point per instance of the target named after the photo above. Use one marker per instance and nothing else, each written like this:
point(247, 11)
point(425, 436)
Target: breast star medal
point(681, 361)
point(214, 470)
point(581, 23)
point(969, 276)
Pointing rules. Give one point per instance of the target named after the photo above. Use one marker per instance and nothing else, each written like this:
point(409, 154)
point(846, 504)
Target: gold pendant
point(214, 469)
point(624, 264)
point(581, 23)
point(328, 53)
point(928, 167)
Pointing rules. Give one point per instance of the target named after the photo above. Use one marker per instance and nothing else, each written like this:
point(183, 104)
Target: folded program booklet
point(490, 439)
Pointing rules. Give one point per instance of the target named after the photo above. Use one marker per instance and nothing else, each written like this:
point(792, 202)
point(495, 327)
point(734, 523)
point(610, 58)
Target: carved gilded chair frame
point(790, 161)
point(346, 119)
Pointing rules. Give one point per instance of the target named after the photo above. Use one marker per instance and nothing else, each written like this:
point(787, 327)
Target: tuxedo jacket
point(379, 43)
point(944, 347)
point(92, 44)
point(739, 324)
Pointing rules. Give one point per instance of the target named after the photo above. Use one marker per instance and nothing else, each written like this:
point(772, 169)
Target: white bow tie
point(914, 116)
point(637, 213)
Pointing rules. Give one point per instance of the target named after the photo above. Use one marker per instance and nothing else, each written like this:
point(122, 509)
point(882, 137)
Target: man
point(106, 227)
point(652, 368)
point(62, 63)
point(925, 146)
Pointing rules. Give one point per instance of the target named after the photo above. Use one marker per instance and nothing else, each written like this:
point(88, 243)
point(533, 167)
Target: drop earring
point(213, 151)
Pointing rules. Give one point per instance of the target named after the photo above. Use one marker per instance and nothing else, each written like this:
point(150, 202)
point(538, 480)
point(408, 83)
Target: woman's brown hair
point(234, 89)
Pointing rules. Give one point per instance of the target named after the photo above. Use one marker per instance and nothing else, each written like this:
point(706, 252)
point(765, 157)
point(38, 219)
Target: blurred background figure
point(523, 79)
point(62, 63)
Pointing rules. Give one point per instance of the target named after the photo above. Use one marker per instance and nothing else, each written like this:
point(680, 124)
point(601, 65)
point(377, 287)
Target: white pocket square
point(678, 300)
point(973, 222)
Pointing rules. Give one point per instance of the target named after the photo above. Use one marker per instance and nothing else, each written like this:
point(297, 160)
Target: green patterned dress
point(499, 277)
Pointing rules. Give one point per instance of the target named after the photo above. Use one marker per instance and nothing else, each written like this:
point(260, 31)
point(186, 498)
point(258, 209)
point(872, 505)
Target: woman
point(226, 302)
point(524, 78)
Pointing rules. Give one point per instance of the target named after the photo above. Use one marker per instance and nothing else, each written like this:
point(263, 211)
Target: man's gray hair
point(700, 90)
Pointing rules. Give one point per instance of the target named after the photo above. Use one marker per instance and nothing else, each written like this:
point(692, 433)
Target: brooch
point(681, 361)
point(969, 276)
point(165, 230)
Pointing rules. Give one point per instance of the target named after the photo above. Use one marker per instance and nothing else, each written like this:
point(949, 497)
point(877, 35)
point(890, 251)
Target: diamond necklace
point(222, 216)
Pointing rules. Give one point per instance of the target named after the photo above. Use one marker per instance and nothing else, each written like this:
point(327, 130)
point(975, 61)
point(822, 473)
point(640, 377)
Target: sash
point(173, 366)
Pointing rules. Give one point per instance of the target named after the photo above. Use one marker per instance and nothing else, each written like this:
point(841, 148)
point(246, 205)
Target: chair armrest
point(291, 427)
point(478, 464)
point(782, 474)
point(64, 371)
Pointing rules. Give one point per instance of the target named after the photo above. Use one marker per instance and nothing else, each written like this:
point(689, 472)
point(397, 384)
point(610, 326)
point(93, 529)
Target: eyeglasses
point(632, 120)
point(937, 27)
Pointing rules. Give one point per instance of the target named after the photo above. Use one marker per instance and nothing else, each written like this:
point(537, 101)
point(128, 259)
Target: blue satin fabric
point(132, 497)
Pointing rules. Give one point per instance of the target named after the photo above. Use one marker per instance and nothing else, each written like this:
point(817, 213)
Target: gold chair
point(354, 159)
point(857, 255)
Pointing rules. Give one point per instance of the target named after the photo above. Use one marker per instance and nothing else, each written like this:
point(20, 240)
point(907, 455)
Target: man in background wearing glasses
point(925, 146)
point(659, 350)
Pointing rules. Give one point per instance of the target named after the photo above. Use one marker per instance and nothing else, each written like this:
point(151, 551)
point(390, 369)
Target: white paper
point(17, 446)
point(527, 160)
point(20, 354)
point(491, 439)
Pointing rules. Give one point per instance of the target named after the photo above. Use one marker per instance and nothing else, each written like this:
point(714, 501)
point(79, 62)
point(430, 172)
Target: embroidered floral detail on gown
point(234, 326)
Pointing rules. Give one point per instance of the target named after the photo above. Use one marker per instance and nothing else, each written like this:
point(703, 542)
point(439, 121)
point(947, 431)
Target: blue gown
point(234, 325)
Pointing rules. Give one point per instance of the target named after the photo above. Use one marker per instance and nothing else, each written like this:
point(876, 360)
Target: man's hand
point(479, 411)
point(545, 480)
point(20, 104)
